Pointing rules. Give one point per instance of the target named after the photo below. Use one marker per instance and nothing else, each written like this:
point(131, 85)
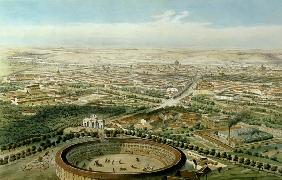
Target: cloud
point(180, 16)
point(166, 30)
point(165, 16)
point(170, 16)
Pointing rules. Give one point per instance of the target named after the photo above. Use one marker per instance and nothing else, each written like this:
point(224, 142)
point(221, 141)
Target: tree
point(40, 159)
point(219, 169)
point(23, 154)
point(180, 144)
point(241, 160)
point(235, 158)
point(212, 152)
point(176, 143)
point(18, 155)
point(3, 148)
point(200, 150)
point(6, 158)
point(274, 158)
point(253, 163)
point(33, 148)
point(39, 149)
point(266, 166)
point(190, 146)
point(195, 163)
point(247, 161)
point(206, 151)
point(279, 170)
point(28, 150)
point(12, 158)
point(77, 135)
point(229, 157)
point(224, 155)
point(274, 168)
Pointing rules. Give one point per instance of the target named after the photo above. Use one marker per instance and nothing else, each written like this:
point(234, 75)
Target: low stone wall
point(67, 158)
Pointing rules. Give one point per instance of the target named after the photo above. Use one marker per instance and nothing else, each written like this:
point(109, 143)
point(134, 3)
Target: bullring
point(117, 159)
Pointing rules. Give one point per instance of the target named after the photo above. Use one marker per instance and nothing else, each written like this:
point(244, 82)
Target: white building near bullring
point(93, 122)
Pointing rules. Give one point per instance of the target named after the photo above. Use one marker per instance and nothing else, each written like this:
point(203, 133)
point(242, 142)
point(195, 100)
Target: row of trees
point(43, 145)
point(134, 96)
point(47, 142)
point(209, 152)
point(257, 154)
point(27, 142)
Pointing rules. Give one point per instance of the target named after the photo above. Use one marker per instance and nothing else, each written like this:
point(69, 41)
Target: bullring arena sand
point(121, 163)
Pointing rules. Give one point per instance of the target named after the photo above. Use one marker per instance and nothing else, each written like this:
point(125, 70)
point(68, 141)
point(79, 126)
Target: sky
point(142, 23)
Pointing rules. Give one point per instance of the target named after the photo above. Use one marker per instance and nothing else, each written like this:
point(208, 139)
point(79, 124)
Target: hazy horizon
point(227, 24)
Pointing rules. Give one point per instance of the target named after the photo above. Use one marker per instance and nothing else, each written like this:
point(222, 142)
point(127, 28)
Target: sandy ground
point(122, 163)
